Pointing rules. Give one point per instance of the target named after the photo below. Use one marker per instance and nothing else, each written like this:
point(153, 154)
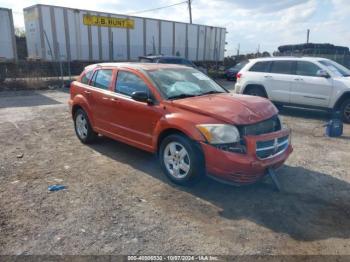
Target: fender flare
point(181, 125)
point(257, 85)
point(81, 101)
point(341, 99)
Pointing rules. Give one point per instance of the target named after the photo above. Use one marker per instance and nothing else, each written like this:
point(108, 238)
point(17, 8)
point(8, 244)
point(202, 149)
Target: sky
point(251, 24)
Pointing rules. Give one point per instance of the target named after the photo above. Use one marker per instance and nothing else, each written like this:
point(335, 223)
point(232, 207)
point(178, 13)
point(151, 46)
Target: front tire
point(181, 160)
point(345, 111)
point(83, 128)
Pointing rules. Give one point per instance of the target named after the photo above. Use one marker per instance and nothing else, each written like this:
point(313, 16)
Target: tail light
point(239, 75)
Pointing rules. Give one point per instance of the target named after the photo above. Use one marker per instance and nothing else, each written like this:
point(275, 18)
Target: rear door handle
point(87, 92)
point(268, 76)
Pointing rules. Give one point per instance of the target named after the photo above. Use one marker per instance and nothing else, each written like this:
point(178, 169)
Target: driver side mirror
point(142, 96)
point(323, 73)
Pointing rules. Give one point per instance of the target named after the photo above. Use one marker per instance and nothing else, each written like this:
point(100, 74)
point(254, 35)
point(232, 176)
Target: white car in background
point(305, 82)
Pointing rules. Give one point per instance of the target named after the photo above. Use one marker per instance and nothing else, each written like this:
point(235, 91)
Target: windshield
point(335, 68)
point(176, 83)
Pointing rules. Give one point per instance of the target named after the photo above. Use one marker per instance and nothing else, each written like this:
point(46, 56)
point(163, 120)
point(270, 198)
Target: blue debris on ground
point(56, 187)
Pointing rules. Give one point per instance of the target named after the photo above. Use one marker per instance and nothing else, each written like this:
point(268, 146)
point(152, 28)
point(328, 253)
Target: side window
point(127, 83)
point(282, 67)
point(260, 67)
point(306, 68)
point(86, 77)
point(102, 78)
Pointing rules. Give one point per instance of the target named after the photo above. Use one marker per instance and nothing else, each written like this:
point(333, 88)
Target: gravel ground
point(118, 201)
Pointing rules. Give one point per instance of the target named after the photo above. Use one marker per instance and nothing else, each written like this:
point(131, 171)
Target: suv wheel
point(255, 91)
point(83, 128)
point(180, 160)
point(345, 111)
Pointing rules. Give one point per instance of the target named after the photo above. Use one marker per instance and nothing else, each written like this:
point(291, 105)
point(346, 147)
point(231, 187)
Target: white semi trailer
point(8, 51)
point(64, 34)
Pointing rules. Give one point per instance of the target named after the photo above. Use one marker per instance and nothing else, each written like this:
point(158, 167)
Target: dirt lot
point(119, 202)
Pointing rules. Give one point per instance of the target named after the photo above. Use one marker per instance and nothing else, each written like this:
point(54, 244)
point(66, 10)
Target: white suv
point(306, 81)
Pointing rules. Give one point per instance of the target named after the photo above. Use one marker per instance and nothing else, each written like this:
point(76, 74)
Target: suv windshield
point(176, 83)
point(335, 68)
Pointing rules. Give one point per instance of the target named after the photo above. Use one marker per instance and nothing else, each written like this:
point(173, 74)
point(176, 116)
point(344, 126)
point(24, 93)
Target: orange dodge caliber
point(194, 125)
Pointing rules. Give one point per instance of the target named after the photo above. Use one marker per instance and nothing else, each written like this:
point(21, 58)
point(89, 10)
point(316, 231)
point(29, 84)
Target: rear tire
point(181, 160)
point(83, 128)
point(256, 91)
point(345, 111)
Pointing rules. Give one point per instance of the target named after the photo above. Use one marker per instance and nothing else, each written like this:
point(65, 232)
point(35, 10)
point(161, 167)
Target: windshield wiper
point(211, 92)
point(180, 96)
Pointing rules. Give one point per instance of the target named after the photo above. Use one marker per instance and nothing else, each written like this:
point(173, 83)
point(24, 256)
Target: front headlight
point(219, 133)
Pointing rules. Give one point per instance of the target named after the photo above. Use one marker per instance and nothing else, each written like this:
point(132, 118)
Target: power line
point(158, 8)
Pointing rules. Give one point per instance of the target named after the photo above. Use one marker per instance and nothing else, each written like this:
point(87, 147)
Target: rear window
point(86, 77)
point(282, 67)
point(260, 67)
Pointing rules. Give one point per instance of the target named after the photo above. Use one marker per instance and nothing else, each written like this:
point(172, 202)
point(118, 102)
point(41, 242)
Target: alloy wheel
point(176, 160)
point(81, 126)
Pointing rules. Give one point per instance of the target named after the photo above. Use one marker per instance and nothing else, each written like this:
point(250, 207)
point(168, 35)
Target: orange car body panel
point(139, 124)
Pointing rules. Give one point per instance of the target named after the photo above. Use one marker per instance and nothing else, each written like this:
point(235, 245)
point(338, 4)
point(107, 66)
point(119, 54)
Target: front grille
point(271, 148)
point(264, 127)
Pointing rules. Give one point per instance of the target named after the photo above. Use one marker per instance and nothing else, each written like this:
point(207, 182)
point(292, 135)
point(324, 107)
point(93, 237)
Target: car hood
point(231, 108)
point(345, 80)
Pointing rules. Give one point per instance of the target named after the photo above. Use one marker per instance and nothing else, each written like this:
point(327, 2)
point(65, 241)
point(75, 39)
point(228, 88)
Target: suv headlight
point(219, 133)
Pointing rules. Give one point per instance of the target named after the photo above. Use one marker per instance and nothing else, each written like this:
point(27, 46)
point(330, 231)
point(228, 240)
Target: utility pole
point(307, 36)
point(190, 10)
point(238, 49)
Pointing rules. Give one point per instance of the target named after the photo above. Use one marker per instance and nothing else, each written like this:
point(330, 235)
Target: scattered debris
point(134, 240)
point(20, 155)
point(140, 199)
point(56, 187)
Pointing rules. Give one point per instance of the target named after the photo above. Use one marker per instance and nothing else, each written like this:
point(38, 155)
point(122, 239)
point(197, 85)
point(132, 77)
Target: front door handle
point(87, 92)
point(113, 99)
point(268, 76)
